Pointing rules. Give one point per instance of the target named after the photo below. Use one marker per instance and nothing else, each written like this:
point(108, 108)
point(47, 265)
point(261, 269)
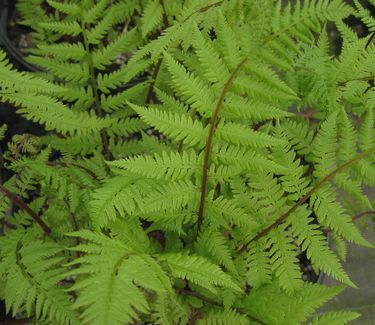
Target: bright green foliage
point(196, 152)
point(333, 318)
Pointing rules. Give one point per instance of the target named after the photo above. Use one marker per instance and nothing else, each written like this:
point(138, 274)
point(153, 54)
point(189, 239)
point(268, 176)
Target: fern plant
point(188, 197)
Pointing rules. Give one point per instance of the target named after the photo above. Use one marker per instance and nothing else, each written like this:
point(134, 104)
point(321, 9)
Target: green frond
point(239, 134)
point(227, 317)
point(199, 271)
point(212, 244)
point(33, 274)
point(67, 28)
point(179, 127)
point(331, 214)
point(62, 51)
point(366, 131)
point(151, 17)
point(335, 318)
point(266, 74)
point(262, 302)
point(325, 145)
point(246, 159)
point(171, 197)
point(125, 42)
point(115, 14)
point(126, 126)
point(121, 273)
point(367, 171)
point(254, 110)
point(119, 101)
point(189, 87)
point(227, 41)
point(214, 69)
point(292, 180)
point(258, 262)
point(156, 48)
point(303, 19)
point(354, 189)
point(226, 211)
point(283, 259)
point(365, 15)
point(299, 135)
point(311, 239)
point(348, 138)
point(76, 72)
point(340, 245)
point(168, 166)
point(91, 14)
point(270, 200)
point(56, 116)
point(168, 310)
point(66, 8)
point(114, 198)
point(126, 73)
point(22, 81)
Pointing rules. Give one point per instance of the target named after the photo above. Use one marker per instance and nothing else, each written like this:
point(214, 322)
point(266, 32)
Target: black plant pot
point(6, 11)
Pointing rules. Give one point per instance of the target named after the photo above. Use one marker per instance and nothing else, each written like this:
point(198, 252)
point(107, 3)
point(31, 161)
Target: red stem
point(211, 133)
point(22, 205)
point(362, 214)
point(303, 199)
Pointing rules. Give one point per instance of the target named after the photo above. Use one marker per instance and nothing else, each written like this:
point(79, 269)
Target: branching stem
point(211, 133)
point(22, 205)
point(363, 214)
point(303, 199)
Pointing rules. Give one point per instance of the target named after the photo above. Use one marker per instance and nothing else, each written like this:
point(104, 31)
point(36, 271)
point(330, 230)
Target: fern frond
point(239, 134)
point(348, 138)
point(33, 275)
point(114, 198)
point(366, 16)
point(325, 146)
point(126, 41)
point(335, 318)
point(312, 240)
point(189, 87)
point(178, 127)
point(67, 28)
point(258, 261)
point(198, 270)
point(76, 72)
point(366, 134)
point(331, 214)
point(151, 17)
point(169, 166)
point(171, 197)
point(284, 261)
point(66, 8)
point(214, 69)
point(254, 110)
point(117, 102)
point(120, 271)
point(247, 160)
point(91, 14)
point(227, 317)
point(63, 50)
point(121, 76)
point(211, 243)
point(22, 81)
point(262, 302)
point(56, 116)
